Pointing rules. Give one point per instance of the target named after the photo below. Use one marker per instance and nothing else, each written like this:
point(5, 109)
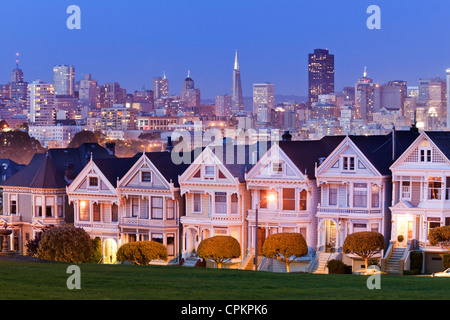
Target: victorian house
point(130, 199)
point(34, 198)
point(421, 199)
point(286, 171)
point(356, 191)
point(216, 196)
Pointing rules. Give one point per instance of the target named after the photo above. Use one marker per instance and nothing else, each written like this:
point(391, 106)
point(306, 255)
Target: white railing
point(137, 221)
point(348, 210)
point(97, 225)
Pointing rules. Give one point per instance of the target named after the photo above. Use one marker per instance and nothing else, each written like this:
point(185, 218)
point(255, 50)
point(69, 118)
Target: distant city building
point(237, 100)
point(223, 105)
point(390, 96)
point(88, 92)
point(64, 80)
point(320, 74)
point(118, 118)
point(56, 136)
point(110, 94)
point(160, 87)
point(144, 100)
point(41, 101)
point(263, 101)
point(18, 88)
point(189, 95)
point(448, 97)
point(364, 97)
point(69, 104)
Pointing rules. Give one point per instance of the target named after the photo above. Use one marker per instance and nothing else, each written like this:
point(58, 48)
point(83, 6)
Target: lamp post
point(269, 198)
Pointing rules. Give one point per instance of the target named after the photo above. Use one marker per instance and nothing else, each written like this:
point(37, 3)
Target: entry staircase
point(322, 260)
point(394, 260)
point(190, 262)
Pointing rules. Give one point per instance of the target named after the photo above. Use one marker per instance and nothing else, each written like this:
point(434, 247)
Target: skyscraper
point(237, 100)
point(320, 74)
point(223, 105)
point(64, 80)
point(41, 100)
point(18, 88)
point(448, 97)
point(364, 97)
point(263, 101)
point(189, 95)
point(160, 86)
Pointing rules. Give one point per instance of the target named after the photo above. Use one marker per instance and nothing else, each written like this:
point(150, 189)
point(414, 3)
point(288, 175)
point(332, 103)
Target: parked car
point(445, 273)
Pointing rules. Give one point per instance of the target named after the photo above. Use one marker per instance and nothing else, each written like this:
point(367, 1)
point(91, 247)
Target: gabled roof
point(114, 169)
point(305, 154)
point(9, 167)
point(47, 170)
point(442, 140)
point(378, 149)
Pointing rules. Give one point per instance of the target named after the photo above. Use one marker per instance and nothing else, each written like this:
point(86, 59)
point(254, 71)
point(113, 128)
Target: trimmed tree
point(219, 249)
point(440, 236)
point(66, 244)
point(142, 252)
point(364, 244)
point(285, 247)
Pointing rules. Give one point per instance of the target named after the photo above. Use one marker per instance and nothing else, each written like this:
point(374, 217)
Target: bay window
point(360, 195)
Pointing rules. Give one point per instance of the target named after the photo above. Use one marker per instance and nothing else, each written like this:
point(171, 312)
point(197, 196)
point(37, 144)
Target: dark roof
point(378, 148)
point(442, 140)
point(305, 154)
point(8, 168)
point(114, 169)
point(47, 170)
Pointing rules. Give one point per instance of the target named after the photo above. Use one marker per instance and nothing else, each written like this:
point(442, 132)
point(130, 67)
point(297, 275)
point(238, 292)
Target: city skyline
point(388, 53)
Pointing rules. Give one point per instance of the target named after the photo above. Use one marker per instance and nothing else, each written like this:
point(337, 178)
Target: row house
point(34, 198)
point(421, 197)
point(286, 171)
point(130, 199)
point(356, 190)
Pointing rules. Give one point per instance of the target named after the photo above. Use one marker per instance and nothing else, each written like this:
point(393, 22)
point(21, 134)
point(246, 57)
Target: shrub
point(416, 260)
point(219, 249)
point(336, 267)
point(98, 253)
point(440, 236)
point(285, 246)
point(33, 244)
point(201, 263)
point(364, 244)
point(446, 261)
point(400, 238)
point(66, 244)
point(142, 252)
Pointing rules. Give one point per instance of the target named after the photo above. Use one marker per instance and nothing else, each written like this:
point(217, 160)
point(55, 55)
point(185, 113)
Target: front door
point(330, 236)
point(261, 239)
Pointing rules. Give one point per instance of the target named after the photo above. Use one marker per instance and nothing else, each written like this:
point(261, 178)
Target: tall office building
point(263, 101)
point(18, 88)
point(364, 97)
point(189, 95)
point(437, 101)
point(320, 74)
point(88, 92)
point(64, 80)
point(41, 100)
point(223, 105)
point(110, 94)
point(160, 87)
point(237, 100)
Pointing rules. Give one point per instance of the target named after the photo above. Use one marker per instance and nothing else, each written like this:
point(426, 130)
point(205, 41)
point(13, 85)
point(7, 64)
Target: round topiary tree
point(440, 236)
point(364, 244)
point(285, 247)
point(66, 244)
point(97, 254)
point(219, 249)
point(142, 252)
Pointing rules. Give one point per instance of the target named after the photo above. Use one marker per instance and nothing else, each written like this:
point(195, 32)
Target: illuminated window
point(434, 188)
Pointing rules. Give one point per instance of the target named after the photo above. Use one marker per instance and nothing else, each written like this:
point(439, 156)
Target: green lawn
point(29, 280)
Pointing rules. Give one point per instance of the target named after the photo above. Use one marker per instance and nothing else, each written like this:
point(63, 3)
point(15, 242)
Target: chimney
point(111, 147)
point(286, 136)
point(169, 146)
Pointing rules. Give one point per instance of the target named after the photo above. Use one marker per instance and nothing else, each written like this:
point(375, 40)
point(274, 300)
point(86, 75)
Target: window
point(277, 167)
point(197, 203)
point(375, 196)
point(210, 171)
point(289, 199)
point(425, 155)
point(333, 195)
point(447, 188)
point(263, 199)
point(221, 202)
point(170, 244)
point(348, 163)
point(146, 176)
point(134, 206)
point(157, 237)
point(84, 211)
point(170, 207)
point(360, 195)
point(13, 206)
point(49, 203)
point(406, 190)
point(38, 207)
point(114, 213)
point(59, 206)
point(303, 200)
point(93, 182)
point(434, 188)
point(157, 207)
point(96, 212)
point(234, 203)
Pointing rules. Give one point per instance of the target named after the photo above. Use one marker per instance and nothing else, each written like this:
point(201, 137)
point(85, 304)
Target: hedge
point(142, 252)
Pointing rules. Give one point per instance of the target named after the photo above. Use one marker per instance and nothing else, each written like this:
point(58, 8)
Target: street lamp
point(270, 197)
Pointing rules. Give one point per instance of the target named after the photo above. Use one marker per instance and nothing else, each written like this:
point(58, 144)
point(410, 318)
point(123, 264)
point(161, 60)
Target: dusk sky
point(132, 41)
